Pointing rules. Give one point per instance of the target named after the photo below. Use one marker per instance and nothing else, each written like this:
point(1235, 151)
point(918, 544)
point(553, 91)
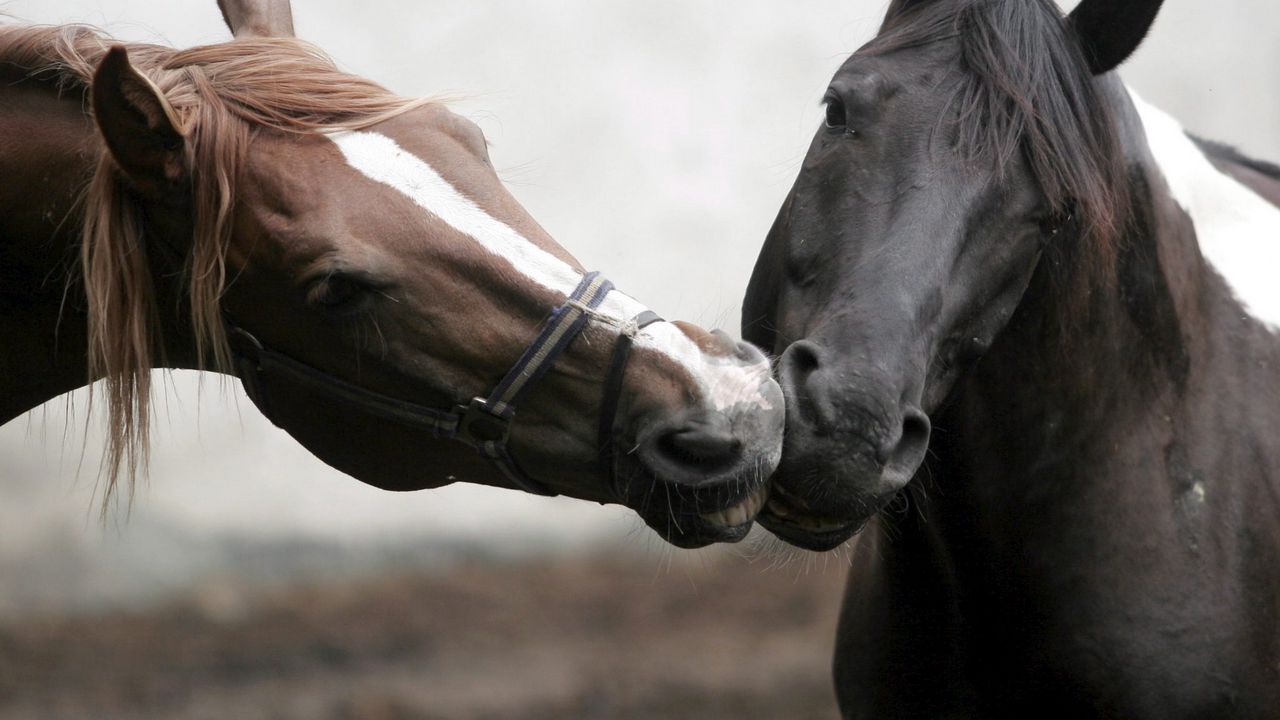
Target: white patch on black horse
point(1238, 231)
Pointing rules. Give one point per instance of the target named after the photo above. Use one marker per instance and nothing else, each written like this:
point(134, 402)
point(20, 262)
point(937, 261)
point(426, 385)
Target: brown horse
point(350, 254)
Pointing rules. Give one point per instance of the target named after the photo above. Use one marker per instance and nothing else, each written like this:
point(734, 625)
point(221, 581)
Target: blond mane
point(223, 94)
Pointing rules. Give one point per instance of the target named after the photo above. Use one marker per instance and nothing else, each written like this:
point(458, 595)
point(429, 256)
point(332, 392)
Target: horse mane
point(1026, 87)
point(223, 94)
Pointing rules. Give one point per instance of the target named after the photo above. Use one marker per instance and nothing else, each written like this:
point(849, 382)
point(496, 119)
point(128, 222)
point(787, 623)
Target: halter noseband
point(485, 422)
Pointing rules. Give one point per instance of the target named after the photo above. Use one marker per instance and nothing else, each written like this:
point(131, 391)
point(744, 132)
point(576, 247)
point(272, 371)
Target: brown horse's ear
point(257, 18)
point(140, 127)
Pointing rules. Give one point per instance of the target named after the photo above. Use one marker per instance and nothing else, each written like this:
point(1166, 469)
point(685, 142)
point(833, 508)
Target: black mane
point(1026, 87)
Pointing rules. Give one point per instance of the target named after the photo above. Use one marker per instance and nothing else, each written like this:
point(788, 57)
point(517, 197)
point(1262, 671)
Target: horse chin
point(692, 535)
point(814, 534)
point(794, 522)
point(819, 505)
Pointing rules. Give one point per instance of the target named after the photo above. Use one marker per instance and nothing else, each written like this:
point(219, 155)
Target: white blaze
point(723, 382)
point(1238, 231)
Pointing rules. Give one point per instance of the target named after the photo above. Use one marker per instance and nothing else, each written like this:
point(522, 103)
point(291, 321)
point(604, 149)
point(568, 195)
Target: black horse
point(1007, 285)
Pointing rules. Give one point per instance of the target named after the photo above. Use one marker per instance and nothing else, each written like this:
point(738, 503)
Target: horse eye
point(835, 112)
point(335, 291)
point(1052, 224)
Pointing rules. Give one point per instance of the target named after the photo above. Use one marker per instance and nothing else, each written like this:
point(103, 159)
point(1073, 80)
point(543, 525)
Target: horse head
point(964, 149)
point(354, 257)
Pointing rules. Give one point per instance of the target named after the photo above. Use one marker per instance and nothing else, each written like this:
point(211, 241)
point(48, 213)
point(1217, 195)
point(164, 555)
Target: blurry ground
point(618, 638)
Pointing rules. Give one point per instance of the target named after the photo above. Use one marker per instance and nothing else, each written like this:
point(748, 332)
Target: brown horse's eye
point(335, 291)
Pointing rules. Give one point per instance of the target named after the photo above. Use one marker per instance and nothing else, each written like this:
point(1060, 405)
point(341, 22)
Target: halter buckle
point(477, 424)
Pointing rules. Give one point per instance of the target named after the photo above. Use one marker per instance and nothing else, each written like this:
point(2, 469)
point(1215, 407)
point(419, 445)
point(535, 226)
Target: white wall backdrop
point(654, 139)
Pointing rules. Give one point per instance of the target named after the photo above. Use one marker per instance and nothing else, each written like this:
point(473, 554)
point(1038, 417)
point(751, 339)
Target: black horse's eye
point(335, 291)
point(1053, 223)
point(835, 113)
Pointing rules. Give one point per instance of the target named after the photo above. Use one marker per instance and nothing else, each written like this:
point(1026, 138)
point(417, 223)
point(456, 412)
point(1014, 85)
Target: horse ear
point(898, 7)
point(257, 18)
point(1110, 30)
point(140, 127)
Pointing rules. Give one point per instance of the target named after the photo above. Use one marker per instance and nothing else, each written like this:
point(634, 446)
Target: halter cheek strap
point(612, 390)
point(485, 422)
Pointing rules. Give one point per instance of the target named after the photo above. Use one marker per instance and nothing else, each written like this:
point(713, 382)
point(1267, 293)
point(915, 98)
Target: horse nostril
point(905, 455)
point(803, 386)
point(800, 359)
point(700, 446)
point(705, 447)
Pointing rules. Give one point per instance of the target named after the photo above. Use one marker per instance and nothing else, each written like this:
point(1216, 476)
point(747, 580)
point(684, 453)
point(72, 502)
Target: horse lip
point(689, 529)
point(694, 532)
point(800, 512)
point(795, 521)
point(805, 538)
point(638, 488)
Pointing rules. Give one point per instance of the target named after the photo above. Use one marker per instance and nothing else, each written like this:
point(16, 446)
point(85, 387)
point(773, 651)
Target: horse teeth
point(740, 514)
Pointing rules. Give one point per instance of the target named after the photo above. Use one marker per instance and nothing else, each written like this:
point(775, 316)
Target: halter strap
point(612, 390)
point(253, 363)
point(485, 422)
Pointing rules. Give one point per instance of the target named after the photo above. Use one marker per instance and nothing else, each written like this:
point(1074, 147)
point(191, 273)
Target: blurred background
point(655, 140)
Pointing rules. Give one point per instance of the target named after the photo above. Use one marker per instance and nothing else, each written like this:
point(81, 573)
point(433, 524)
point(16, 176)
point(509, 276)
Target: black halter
point(485, 422)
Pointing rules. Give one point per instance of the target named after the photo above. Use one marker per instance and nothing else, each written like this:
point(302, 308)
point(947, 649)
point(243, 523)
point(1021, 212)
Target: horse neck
point(1094, 343)
point(1093, 373)
point(1073, 446)
point(1087, 404)
point(43, 316)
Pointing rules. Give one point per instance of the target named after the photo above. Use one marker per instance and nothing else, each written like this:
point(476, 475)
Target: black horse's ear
point(140, 127)
point(898, 7)
point(1110, 30)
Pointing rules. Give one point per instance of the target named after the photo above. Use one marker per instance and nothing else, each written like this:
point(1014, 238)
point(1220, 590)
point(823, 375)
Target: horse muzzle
point(699, 474)
point(852, 443)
